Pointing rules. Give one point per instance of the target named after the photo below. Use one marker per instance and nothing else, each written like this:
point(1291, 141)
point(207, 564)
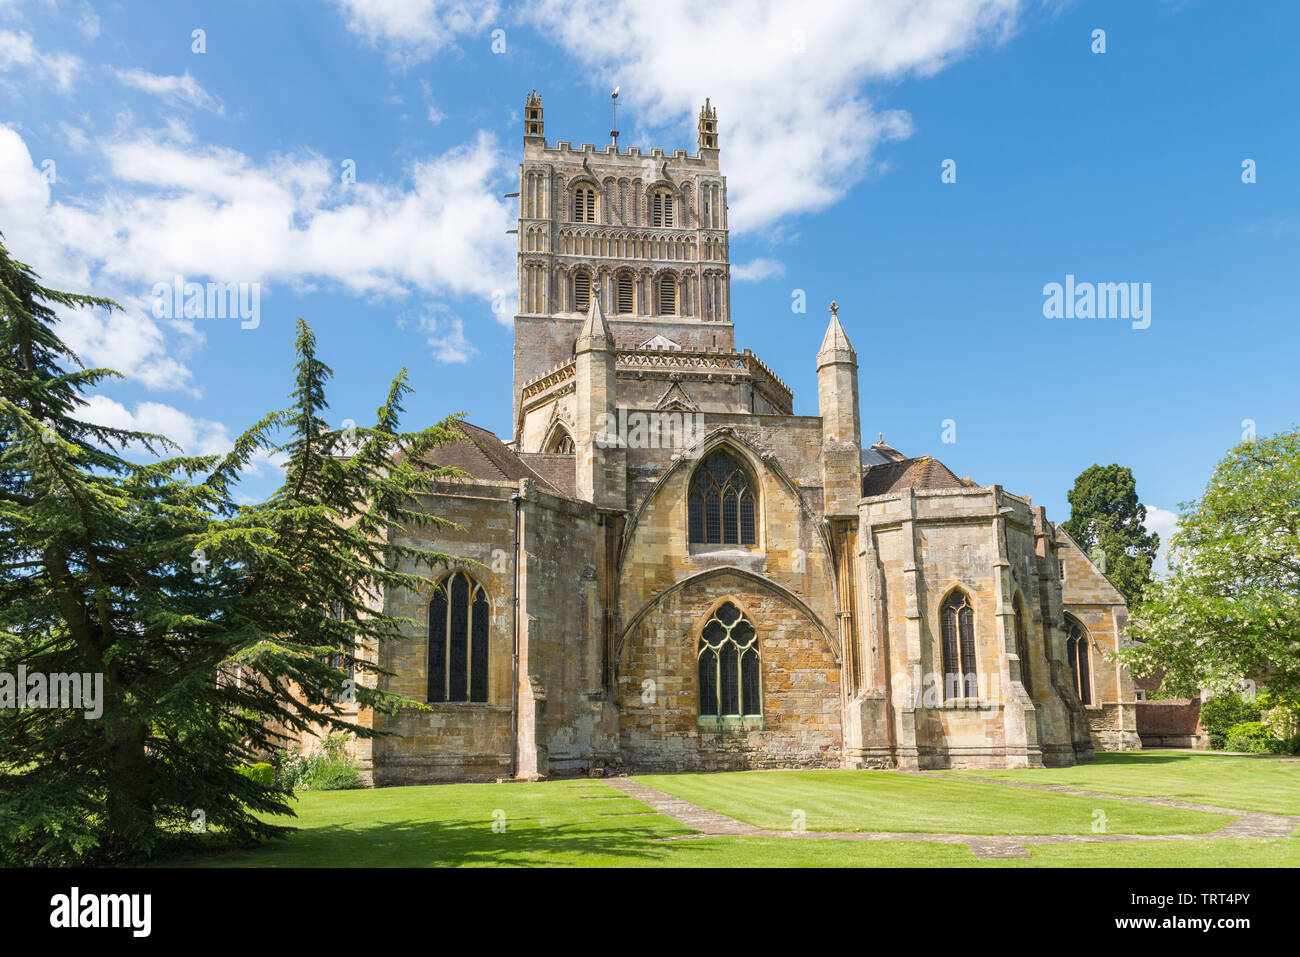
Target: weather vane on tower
point(613, 106)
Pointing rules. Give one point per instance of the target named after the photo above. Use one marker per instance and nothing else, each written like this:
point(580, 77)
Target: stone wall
point(658, 685)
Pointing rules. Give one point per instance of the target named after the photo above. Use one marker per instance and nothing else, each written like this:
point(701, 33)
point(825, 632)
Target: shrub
point(330, 775)
point(1219, 715)
point(328, 769)
point(1253, 738)
point(290, 770)
point(262, 773)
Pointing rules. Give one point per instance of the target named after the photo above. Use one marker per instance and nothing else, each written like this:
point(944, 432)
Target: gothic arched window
point(729, 665)
point(1022, 647)
point(1076, 653)
point(584, 204)
point(960, 674)
point(561, 442)
point(458, 640)
point(661, 208)
point(720, 504)
point(345, 657)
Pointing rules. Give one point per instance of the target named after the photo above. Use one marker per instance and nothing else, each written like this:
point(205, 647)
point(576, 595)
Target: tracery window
point(458, 640)
point(720, 503)
point(561, 442)
point(1076, 653)
point(960, 673)
point(730, 684)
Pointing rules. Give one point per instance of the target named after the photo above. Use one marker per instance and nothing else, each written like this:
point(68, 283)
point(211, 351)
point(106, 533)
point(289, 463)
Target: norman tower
point(646, 233)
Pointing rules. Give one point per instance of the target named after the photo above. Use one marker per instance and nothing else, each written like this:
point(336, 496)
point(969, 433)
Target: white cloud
point(172, 207)
point(195, 436)
point(795, 126)
point(757, 270)
point(19, 54)
point(414, 30)
point(1164, 523)
point(88, 22)
point(446, 334)
point(171, 89)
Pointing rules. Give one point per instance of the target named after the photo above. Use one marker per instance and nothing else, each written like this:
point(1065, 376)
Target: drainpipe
point(516, 499)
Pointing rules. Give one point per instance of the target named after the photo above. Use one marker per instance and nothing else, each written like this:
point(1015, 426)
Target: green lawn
point(888, 801)
point(555, 822)
point(587, 823)
point(1247, 782)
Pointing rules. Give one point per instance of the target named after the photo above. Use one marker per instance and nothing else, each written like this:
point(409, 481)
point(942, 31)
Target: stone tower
point(837, 401)
point(601, 476)
point(646, 232)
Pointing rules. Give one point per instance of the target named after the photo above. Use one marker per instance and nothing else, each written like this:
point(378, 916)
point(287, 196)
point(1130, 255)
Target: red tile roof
point(922, 472)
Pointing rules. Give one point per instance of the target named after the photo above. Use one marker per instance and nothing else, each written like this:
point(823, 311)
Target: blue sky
point(126, 158)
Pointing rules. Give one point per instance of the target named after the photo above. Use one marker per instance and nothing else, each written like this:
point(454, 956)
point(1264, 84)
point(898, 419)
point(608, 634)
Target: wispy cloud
point(19, 56)
point(172, 89)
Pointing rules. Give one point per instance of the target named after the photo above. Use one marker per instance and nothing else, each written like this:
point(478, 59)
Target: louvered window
point(730, 683)
point(667, 296)
point(626, 294)
point(958, 633)
point(661, 209)
point(720, 505)
point(581, 291)
point(584, 205)
point(458, 640)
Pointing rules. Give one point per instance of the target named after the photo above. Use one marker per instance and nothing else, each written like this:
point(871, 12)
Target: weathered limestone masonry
point(665, 568)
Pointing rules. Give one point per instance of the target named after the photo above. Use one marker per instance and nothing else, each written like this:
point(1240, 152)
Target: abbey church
point(664, 568)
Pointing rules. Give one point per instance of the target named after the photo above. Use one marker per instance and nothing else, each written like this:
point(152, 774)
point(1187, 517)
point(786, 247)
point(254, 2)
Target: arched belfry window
point(1022, 647)
point(458, 640)
point(720, 504)
point(581, 291)
point(626, 289)
point(584, 204)
point(1076, 653)
point(668, 295)
point(730, 684)
point(957, 621)
point(661, 208)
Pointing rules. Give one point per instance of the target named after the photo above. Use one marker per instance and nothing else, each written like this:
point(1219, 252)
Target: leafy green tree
point(1105, 515)
point(1230, 610)
point(213, 625)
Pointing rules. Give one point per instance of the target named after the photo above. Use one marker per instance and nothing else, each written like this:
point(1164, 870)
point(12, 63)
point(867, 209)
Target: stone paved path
point(711, 824)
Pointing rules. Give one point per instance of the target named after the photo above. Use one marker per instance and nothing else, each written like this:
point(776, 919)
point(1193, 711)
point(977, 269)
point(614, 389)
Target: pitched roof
point(481, 455)
point(560, 471)
point(922, 472)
